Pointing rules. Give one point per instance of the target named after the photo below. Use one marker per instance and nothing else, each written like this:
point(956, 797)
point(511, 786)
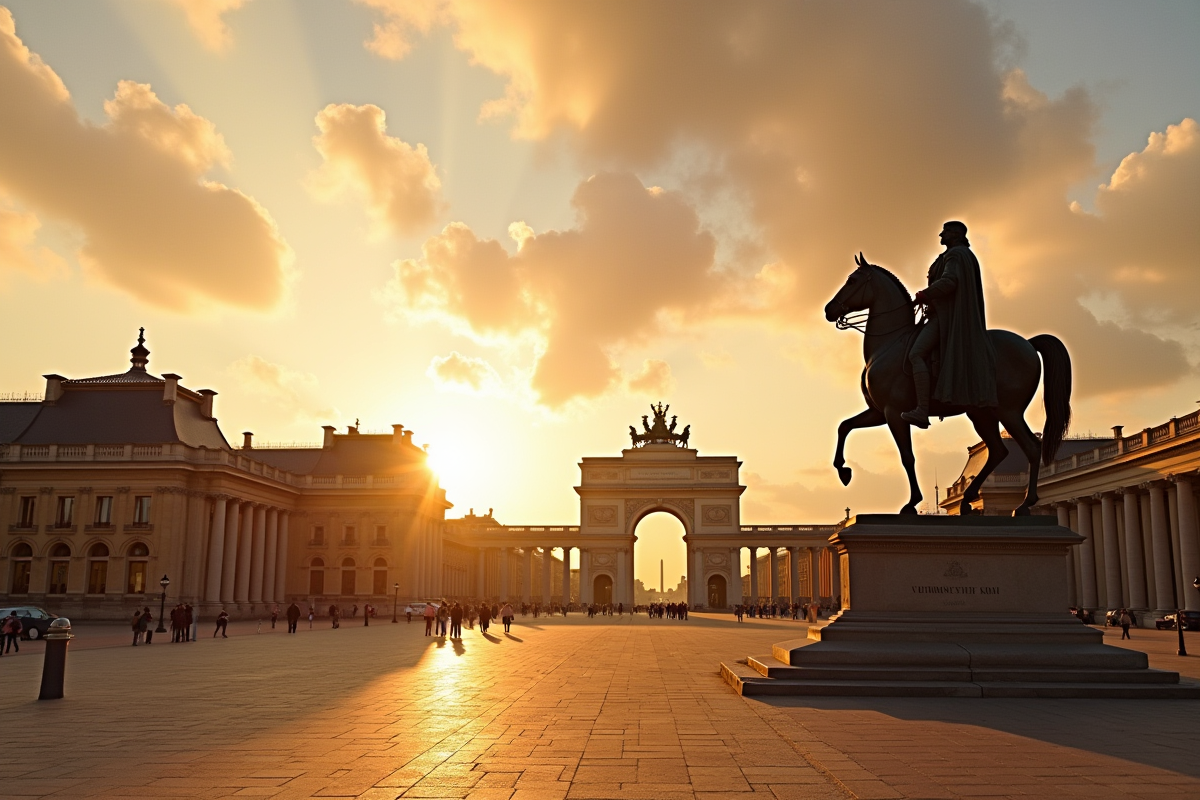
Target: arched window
point(136, 569)
point(21, 558)
point(347, 576)
point(379, 577)
point(316, 577)
point(60, 568)
point(98, 569)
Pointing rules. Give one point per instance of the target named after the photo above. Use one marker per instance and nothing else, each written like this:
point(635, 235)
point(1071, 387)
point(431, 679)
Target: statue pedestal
point(954, 606)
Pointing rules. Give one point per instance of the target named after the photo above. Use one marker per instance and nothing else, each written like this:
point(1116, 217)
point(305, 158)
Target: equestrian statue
point(949, 363)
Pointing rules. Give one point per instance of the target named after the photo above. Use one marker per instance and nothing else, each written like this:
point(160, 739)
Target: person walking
point(144, 624)
point(429, 614)
point(443, 619)
point(456, 615)
point(12, 633)
point(506, 615)
point(485, 618)
point(408, 614)
point(335, 616)
point(293, 617)
point(1125, 621)
point(222, 624)
point(274, 616)
point(189, 617)
point(135, 624)
point(367, 611)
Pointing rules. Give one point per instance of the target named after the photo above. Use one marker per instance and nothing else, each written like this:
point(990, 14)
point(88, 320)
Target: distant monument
point(965, 606)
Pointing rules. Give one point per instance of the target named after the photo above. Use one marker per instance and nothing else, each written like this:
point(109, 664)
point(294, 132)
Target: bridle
point(857, 320)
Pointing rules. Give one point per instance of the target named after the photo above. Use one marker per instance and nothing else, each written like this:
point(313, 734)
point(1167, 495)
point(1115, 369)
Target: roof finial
point(139, 355)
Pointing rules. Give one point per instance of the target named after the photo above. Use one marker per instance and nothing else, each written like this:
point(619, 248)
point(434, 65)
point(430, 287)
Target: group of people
point(182, 617)
point(808, 612)
point(668, 610)
point(438, 616)
point(11, 629)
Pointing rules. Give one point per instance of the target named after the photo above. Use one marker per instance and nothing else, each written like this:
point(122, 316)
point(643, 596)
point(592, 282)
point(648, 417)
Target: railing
point(147, 450)
point(35, 451)
point(1159, 433)
point(324, 480)
point(72, 451)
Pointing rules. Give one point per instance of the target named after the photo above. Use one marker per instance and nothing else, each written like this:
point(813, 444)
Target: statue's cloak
point(968, 362)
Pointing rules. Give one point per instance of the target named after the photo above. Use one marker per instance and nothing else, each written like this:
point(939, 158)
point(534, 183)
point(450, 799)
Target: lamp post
point(1182, 651)
point(162, 604)
point(395, 602)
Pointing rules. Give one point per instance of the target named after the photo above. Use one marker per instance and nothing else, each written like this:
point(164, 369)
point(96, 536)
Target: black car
point(1191, 621)
point(34, 621)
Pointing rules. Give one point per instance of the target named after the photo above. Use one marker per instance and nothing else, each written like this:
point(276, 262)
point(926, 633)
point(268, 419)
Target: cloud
point(19, 251)
point(152, 223)
point(207, 22)
point(462, 372)
point(828, 128)
point(653, 379)
point(636, 259)
point(400, 184)
point(292, 393)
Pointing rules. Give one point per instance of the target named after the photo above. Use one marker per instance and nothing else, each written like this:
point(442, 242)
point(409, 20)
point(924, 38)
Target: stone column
point(814, 574)
point(619, 588)
point(216, 550)
point(481, 587)
point(439, 565)
point(735, 569)
point(794, 573)
point(546, 560)
point(503, 574)
point(1064, 519)
point(1112, 551)
point(754, 575)
point(281, 559)
point(527, 594)
point(241, 592)
point(774, 562)
point(269, 595)
point(1189, 545)
point(1087, 567)
point(566, 576)
point(1135, 563)
point(233, 515)
point(585, 576)
point(701, 583)
point(258, 553)
point(1160, 535)
point(197, 522)
point(836, 572)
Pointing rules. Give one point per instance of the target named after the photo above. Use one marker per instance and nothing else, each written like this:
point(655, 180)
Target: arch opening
point(716, 591)
point(659, 559)
point(602, 590)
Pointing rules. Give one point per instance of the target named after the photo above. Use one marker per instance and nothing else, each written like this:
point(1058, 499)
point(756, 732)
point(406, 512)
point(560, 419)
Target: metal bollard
point(55, 666)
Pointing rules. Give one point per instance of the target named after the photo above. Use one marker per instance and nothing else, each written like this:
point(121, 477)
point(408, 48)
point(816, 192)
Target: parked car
point(1191, 621)
point(35, 621)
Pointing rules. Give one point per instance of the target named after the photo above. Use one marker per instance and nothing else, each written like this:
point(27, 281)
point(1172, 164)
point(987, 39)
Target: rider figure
point(954, 323)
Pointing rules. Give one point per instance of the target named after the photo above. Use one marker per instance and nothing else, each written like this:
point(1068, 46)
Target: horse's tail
point(1056, 392)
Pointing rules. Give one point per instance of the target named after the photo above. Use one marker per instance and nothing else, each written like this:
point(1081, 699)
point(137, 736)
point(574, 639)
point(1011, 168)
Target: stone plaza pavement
point(603, 708)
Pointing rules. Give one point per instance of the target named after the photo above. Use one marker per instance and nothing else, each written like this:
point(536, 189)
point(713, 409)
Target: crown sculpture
point(660, 432)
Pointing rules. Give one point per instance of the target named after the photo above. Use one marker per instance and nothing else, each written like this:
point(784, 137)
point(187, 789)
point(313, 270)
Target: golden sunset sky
point(511, 226)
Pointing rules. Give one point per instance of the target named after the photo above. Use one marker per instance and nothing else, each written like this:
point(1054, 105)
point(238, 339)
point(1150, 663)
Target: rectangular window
point(141, 510)
point(316, 582)
point(348, 581)
point(349, 535)
point(137, 578)
point(380, 582)
point(380, 534)
point(319, 534)
point(28, 509)
point(20, 577)
point(65, 512)
point(97, 577)
point(58, 576)
point(104, 511)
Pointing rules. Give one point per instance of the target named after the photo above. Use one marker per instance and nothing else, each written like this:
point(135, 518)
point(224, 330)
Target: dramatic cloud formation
point(654, 379)
point(637, 257)
point(839, 127)
point(205, 17)
point(463, 372)
point(292, 393)
point(152, 224)
point(18, 248)
point(400, 184)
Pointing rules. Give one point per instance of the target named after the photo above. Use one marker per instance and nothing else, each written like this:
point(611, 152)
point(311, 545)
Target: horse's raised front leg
point(988, 428)
point(903, 436)
point(866, 419)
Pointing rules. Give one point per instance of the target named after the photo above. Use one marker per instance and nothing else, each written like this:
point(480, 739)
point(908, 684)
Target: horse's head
point(855, 294)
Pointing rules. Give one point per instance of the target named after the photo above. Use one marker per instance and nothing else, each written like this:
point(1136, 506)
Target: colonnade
point(247, 552)
point(428, 552)
point(1141, 547)
point(798, 558)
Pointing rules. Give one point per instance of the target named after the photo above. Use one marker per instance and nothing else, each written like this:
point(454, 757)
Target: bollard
point(54, 668)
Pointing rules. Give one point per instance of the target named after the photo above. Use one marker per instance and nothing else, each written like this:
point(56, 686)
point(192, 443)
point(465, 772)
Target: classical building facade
point(1134, 500)
point(109, 483)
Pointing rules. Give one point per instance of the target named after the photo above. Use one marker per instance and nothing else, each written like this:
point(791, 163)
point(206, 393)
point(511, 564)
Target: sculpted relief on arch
point(683, 507)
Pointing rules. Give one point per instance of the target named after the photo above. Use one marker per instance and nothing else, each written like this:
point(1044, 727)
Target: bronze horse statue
point(888, 389)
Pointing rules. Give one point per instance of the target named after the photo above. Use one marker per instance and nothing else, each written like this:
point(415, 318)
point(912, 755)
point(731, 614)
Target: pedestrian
point(335, 616)
point(293, 616)
point(456, 615)
point(506, 614)
point(1126, 621)
point(408, 614)
point(367, 614)
point(443, 618)
point(429, 613)
point(274, 615)
point(189, 618)
point(12, 633)
point(222, 624)
point(312, 612)
point(485, 618)
point(147, 631)
point(135, 624)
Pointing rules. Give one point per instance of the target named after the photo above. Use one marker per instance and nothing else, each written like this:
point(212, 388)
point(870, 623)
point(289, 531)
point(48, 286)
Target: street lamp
point(162, 605)
point(1182, 651)
point(396, 601)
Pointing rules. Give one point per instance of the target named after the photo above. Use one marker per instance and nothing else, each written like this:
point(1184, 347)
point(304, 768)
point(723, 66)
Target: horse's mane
point(896, 281)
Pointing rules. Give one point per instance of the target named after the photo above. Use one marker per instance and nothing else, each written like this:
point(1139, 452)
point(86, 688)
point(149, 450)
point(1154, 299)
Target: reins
point(857, 320)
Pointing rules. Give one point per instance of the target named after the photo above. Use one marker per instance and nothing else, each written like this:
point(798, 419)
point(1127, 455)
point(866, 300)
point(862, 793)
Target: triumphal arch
point(659, 471)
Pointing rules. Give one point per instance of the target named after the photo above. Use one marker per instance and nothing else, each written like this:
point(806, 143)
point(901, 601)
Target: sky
point(511, 226)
